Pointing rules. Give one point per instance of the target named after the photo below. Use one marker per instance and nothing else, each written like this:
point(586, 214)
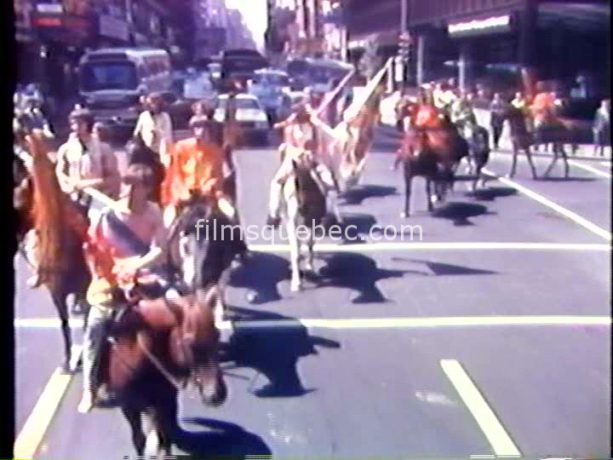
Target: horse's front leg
point(59, 301)
point(408, 182)
point(429, 194)
point(514, 160)
point(562, 153)
point(469, 164)
point(309, 266)
point(553, 163)
point(294, 244)
point(531, 163)
point(165, 423)
point(133, 416)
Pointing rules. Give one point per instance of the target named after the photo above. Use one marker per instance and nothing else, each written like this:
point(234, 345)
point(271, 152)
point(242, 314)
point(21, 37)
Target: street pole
point(129, 20)
point(404, 11)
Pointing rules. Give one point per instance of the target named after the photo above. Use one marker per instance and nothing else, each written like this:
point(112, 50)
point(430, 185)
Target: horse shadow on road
point(220, 440)
point(355, 226)
point(273, 352)
point(358, 194)
point(356, 272)
point(460, 213)
point(261, 275)
point(491, 193)
point(443, 269)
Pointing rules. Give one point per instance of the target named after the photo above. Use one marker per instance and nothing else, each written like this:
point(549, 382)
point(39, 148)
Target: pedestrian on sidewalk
point(498, 109)
point(602, 127)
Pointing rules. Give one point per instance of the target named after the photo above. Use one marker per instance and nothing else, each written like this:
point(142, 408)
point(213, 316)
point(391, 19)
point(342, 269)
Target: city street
point(489, 336)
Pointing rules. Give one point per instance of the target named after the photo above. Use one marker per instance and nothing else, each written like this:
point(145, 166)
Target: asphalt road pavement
point(490, 335)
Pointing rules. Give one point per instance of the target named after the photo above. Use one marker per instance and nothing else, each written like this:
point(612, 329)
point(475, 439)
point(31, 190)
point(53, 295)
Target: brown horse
point(521, 139)
point(434, 155)
point(154, 348)
point(60, 230)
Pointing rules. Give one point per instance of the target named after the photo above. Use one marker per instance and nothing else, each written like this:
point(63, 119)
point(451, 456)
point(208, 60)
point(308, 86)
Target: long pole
point(404, 14)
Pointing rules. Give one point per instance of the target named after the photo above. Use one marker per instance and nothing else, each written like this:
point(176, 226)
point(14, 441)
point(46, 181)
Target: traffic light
point(404, 44)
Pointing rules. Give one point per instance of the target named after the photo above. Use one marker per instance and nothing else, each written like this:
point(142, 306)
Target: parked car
point(250, 116)
point(269, 86)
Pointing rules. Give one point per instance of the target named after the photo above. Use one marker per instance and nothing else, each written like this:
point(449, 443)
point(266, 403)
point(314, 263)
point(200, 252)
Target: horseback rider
point(544, 109)
point(85, 161)
point(196, 168)
point(427, 115)
point(32, 117)
point(544, 106)
point(121, 244)
point(301, 145)
point(462, 113)
point(520, 103)
point(154, 127)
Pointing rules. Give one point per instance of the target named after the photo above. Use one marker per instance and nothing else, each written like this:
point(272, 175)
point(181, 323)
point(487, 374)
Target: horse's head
point(188, 240)
point(201, 346)
point(202, 243)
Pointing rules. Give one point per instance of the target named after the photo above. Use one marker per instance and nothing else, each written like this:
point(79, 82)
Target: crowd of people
point(127, 237)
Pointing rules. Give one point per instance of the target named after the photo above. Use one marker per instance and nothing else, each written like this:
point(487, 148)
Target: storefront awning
point(588, 16)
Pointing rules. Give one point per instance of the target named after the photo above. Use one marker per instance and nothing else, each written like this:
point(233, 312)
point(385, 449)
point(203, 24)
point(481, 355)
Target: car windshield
point(108, 75)
point(241, 103)
point(271, 80)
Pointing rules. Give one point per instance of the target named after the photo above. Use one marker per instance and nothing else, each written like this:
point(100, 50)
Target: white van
point(112, 80)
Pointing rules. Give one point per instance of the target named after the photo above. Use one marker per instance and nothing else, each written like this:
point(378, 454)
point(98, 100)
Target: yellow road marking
point(40, 418)
point(499, 439)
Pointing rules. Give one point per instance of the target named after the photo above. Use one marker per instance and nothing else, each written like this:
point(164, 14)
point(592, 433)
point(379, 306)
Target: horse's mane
point(48, 210)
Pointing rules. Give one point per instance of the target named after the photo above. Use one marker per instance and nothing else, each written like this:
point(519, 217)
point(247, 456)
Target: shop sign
point(480, 26)
point(47, 21)
point(50, 8)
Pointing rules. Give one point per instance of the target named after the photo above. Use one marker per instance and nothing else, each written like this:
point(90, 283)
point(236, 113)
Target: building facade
point(480, 39)
point(53, 34)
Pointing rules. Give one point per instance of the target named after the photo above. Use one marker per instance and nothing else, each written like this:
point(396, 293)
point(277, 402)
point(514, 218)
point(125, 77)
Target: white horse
point(305, 207)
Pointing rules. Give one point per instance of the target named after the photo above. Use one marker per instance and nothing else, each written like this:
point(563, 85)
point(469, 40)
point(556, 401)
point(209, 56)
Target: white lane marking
point(40, 418)
point(378, 323)
point(402, 245)
point(589, 168)
point(499, 439)
point(592, 227)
